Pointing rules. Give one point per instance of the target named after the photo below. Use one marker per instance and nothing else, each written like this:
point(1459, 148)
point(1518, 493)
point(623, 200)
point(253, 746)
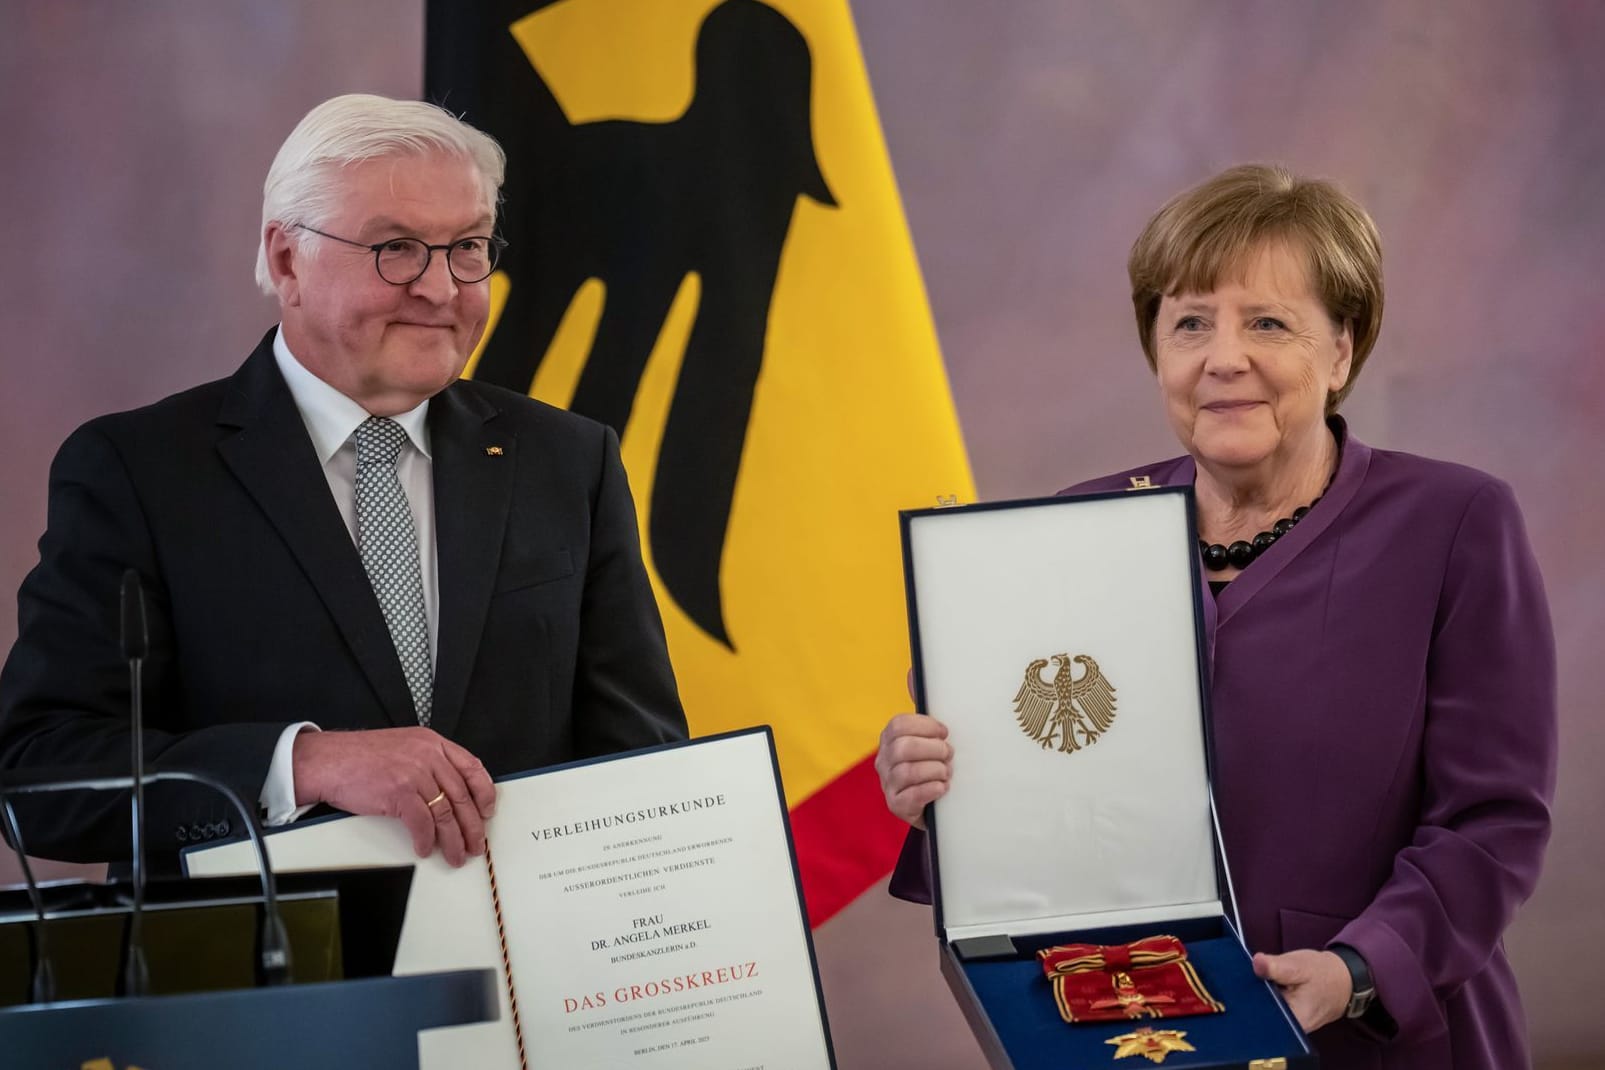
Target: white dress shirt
point(331, 420)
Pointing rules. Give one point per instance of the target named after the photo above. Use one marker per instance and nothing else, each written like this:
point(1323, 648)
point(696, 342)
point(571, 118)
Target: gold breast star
point(1153, 1044)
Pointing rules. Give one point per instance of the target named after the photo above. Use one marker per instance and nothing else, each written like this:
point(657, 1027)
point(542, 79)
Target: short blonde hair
point(1211, 229)
point(349, 129)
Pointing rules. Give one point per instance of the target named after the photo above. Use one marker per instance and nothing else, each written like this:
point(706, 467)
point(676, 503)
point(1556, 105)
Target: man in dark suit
point(370, 584)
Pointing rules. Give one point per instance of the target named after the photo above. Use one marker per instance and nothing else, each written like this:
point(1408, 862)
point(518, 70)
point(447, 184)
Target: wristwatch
point(1365, 989)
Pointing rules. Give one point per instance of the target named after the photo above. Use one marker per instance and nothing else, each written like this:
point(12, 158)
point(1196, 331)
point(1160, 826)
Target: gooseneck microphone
point(136, 645)
point(273, 944)
point(42, 988)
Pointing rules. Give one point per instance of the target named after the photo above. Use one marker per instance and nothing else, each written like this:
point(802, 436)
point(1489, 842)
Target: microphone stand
point(42, 989)
point(136, 644)
point(274, 958)
point(274, 943)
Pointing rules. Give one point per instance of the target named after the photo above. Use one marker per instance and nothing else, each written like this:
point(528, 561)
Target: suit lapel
point(271, 454)
point(1181, 472)
point(1353, 462)
point(473, 467)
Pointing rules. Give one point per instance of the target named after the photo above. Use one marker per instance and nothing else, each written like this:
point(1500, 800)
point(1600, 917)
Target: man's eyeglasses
point(402, 261)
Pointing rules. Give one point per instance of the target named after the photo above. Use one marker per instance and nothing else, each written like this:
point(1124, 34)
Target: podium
point(368, 1022)
point(203, 1014)
point(206, 1015)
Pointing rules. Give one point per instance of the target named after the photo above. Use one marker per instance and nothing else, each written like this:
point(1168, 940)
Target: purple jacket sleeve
point(911, 879)
point(1488, 769)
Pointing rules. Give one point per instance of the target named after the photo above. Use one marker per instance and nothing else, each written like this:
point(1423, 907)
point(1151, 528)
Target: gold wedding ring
point(436, 799)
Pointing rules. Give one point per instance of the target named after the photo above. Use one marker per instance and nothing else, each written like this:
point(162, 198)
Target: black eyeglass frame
point(493, 243)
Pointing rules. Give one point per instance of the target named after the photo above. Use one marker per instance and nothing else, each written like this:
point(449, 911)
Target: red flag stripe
point(846, 840)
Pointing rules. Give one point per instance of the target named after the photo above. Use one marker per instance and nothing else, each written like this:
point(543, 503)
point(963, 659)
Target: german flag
point(707, 252)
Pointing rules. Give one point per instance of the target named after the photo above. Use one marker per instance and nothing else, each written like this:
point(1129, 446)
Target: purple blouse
point(1384, 724)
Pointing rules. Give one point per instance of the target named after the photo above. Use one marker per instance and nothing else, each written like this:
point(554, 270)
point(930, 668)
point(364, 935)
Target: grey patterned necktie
point(388, 544)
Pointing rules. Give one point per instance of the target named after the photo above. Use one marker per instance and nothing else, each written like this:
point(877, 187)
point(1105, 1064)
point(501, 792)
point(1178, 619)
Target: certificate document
point(648, 904)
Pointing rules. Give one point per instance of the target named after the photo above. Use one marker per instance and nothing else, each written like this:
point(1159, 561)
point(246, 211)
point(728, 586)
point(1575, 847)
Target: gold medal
point(1153, 1044)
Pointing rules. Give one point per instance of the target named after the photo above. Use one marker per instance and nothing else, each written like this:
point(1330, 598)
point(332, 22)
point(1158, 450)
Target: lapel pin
point(493, 451)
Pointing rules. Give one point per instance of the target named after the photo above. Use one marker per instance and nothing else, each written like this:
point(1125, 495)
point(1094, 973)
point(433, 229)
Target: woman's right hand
point(915, 761)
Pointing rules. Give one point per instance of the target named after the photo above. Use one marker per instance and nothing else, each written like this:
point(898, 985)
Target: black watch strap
point(1364, 988)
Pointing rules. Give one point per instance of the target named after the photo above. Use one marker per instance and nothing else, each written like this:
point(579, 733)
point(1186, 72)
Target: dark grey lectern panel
point(371, 1022)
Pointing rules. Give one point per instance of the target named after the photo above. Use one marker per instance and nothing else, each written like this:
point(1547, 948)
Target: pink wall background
point(1031, 141)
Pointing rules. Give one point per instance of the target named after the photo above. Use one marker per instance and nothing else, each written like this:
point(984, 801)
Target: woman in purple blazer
point(1382, 665)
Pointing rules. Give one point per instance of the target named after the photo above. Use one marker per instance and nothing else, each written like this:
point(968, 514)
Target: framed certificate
point(644, 910)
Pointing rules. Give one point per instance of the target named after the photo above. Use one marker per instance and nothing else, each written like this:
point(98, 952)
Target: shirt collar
point(331, 417)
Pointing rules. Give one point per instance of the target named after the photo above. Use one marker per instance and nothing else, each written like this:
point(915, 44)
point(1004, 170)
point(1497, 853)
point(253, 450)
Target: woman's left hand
point(1316, 984)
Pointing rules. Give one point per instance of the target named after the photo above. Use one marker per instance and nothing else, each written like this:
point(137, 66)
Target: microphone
point(135, 629)
point(136, 645)
point(42, 989)
point(274, 945)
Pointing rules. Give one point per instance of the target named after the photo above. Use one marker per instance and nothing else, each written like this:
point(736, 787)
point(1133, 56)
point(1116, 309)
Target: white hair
point(302, 183)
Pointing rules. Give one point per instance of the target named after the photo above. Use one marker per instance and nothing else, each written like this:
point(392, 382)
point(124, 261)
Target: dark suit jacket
point(550, 643)
point(1384, 725)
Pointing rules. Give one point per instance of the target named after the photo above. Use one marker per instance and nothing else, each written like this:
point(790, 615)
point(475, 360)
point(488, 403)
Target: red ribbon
point(1147, 978)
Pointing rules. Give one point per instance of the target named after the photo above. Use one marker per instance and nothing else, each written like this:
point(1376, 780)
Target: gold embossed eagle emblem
point(1067, 712)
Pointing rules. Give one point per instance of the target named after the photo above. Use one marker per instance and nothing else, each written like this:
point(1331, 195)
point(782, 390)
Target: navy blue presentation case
point(1075, 818)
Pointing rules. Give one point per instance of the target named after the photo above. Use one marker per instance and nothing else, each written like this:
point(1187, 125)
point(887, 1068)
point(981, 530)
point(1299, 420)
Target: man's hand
point(396, 772)
point(1316, 984)
point(915, 761)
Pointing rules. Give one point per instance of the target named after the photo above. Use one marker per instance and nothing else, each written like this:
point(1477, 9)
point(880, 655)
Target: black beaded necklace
point(1241, 553)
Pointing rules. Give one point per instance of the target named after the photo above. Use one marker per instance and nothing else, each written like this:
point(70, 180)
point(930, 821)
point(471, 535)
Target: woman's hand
point(915, 761)
point(1316, 984)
